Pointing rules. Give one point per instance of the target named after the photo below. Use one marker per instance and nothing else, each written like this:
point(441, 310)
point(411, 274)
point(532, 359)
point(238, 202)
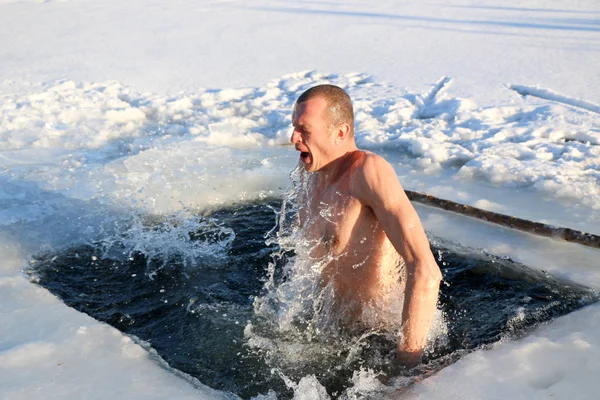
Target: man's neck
point(332, 172)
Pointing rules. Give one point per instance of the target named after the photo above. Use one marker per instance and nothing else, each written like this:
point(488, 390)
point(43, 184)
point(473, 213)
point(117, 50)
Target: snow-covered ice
point(157, 107)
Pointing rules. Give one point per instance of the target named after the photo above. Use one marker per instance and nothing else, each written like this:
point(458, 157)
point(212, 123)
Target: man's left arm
point(376, 185)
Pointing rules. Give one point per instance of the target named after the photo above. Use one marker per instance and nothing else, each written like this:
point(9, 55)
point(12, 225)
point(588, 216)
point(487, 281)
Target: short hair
point(339, 104)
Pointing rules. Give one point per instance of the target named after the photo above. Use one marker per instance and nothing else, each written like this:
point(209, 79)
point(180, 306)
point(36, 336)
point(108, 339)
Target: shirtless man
point(354, 209)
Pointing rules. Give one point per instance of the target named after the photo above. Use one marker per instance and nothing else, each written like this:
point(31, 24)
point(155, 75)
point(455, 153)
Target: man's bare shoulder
point(369, 167)
point(373, 177)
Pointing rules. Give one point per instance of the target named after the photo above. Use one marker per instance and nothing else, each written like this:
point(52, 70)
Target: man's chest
point(332, 216)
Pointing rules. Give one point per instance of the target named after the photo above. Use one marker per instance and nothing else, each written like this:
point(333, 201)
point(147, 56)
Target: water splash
point(182, 238)
point(301, 326)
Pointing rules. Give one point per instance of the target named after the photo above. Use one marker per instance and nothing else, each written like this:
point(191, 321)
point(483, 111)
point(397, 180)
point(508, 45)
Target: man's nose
point(295, 136)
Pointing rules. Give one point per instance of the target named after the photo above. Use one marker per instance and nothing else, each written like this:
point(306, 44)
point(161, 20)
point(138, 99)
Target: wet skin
point(363, 266)
point(357, 213)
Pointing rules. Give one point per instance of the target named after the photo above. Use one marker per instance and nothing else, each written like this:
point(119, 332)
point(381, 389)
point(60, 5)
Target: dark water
point(192, 306)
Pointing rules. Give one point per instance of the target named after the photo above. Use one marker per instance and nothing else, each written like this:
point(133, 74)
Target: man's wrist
point(411, 350)
point(410, 345)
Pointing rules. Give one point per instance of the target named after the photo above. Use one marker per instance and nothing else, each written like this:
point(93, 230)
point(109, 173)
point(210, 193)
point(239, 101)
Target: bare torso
point(361, 265)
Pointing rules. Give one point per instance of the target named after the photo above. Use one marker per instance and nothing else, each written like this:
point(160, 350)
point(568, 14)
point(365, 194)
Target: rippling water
point(188, 284)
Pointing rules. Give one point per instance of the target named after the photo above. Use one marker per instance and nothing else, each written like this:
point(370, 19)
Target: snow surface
point(156, 107)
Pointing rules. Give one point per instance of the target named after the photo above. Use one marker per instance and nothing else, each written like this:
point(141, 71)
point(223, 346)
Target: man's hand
point(409, 358)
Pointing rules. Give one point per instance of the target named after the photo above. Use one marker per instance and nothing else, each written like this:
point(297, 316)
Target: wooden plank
point(537, 228)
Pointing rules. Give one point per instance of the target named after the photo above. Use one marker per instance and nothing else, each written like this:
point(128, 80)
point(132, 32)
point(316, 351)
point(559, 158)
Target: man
point(354, 208)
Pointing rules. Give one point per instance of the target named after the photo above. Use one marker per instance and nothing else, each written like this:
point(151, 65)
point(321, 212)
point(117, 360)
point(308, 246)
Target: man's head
point(339, 105)
point(323, 126)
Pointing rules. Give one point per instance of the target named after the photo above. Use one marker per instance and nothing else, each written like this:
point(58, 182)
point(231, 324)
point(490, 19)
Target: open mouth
point(305, 156)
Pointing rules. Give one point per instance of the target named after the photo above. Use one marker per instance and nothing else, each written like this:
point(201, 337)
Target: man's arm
point(376, 185)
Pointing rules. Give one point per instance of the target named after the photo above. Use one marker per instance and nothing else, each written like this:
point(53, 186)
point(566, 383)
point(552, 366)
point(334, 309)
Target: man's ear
point(342, 132)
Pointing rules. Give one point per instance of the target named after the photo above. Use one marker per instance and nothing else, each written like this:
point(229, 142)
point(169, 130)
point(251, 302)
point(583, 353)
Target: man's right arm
point(376, 185)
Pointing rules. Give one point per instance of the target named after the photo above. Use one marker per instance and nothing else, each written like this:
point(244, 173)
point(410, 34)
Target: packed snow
point(156, 107)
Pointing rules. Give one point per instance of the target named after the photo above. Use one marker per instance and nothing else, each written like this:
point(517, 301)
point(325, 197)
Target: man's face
point(312, 136)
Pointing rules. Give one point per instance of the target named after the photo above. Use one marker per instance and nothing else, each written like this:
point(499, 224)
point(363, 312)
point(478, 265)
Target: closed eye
point(302, 129)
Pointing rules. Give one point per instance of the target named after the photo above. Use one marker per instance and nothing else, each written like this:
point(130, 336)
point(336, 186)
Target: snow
point(158, 107)
point(557, 361)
